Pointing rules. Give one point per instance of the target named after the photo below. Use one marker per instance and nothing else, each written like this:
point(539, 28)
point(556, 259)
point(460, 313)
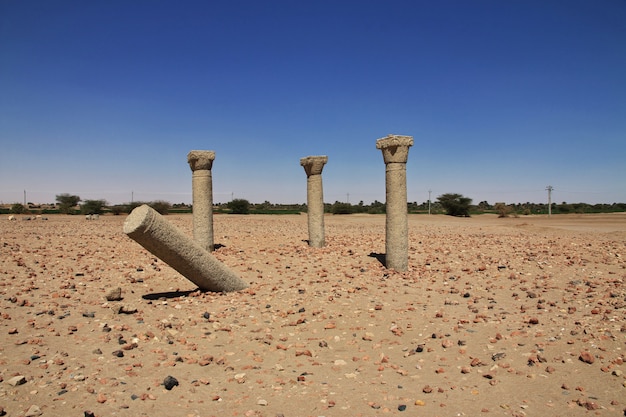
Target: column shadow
point(380, 257)
point(167, 294)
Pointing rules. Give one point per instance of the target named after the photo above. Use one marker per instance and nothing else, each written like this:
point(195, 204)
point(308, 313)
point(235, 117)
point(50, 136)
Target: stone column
point(313, 166)
point(148, 228)
point(200, 163)
point(395, 150)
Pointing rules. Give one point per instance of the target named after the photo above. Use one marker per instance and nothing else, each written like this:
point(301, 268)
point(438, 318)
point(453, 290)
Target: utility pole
point(429, 191)
point(348, 198)
point(132, 197)
point(549, 188)
point(24, 198)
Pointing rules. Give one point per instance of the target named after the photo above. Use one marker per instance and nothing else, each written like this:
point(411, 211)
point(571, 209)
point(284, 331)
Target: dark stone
point(401, 407)
point(206, 315)
point(119, 353)
point(170, 382)
point(89, 414)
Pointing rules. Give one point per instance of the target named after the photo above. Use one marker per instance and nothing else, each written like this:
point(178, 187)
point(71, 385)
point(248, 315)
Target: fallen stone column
point(313, 166)
point(148, 228)
point(395, 150)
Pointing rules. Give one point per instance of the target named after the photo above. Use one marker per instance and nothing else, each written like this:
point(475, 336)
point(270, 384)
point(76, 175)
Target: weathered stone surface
point(33, 411)
point(313, 166)
point(395, 151)
point(114, 295)
point(149, 229)
point(201, 163)
point(16, 380)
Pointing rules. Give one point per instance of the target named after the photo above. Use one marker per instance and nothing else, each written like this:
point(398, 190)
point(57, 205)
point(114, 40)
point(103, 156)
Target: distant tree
point(66, 202)
point(18, 208)
point(564, 208)
point(484, 205)
point(160, 206)
point(341, 208)
point(93, 206)
point(455, 204)
point(239, 206)
point(119, 209)
point(377, 207)
point(266, 205)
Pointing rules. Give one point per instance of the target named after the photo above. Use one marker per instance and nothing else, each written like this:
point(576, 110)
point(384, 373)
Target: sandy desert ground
point(497, 317)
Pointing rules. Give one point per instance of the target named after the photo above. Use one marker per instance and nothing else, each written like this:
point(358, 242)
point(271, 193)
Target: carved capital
point(313, 165)
point(395, 148)
point(200, 160)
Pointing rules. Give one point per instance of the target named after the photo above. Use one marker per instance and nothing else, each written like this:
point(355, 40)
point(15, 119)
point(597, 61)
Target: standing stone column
point(200, 163)
point(395, 150)
point(313, 166)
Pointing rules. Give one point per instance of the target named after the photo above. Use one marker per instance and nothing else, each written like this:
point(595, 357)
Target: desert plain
point(496, 316)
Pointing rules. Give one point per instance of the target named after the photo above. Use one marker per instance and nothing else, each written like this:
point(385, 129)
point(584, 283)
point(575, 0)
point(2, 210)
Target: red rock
point(586, 357)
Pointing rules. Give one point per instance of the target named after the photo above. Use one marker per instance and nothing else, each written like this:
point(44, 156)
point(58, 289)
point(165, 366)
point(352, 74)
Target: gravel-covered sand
point(505, 317)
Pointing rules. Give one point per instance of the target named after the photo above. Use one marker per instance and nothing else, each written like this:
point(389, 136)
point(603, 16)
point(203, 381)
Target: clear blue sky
point(105, 98)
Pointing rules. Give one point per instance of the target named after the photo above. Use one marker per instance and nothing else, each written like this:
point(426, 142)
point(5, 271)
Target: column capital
point(313, 165)
point(395, 148)
point(200, 160)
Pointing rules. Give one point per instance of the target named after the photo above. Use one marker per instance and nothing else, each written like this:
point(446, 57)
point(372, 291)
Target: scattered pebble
point(16, 380)
point(170, 382)
point(320, 324)
point(114, 295)
point(586, 357)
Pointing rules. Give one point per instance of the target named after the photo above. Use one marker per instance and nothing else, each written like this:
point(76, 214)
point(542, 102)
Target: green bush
point(455, 204)
point(67, 202)
point(239, 206)
point(93, 206)
point(18, 208)
point(161, 207)
point(341, 208)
